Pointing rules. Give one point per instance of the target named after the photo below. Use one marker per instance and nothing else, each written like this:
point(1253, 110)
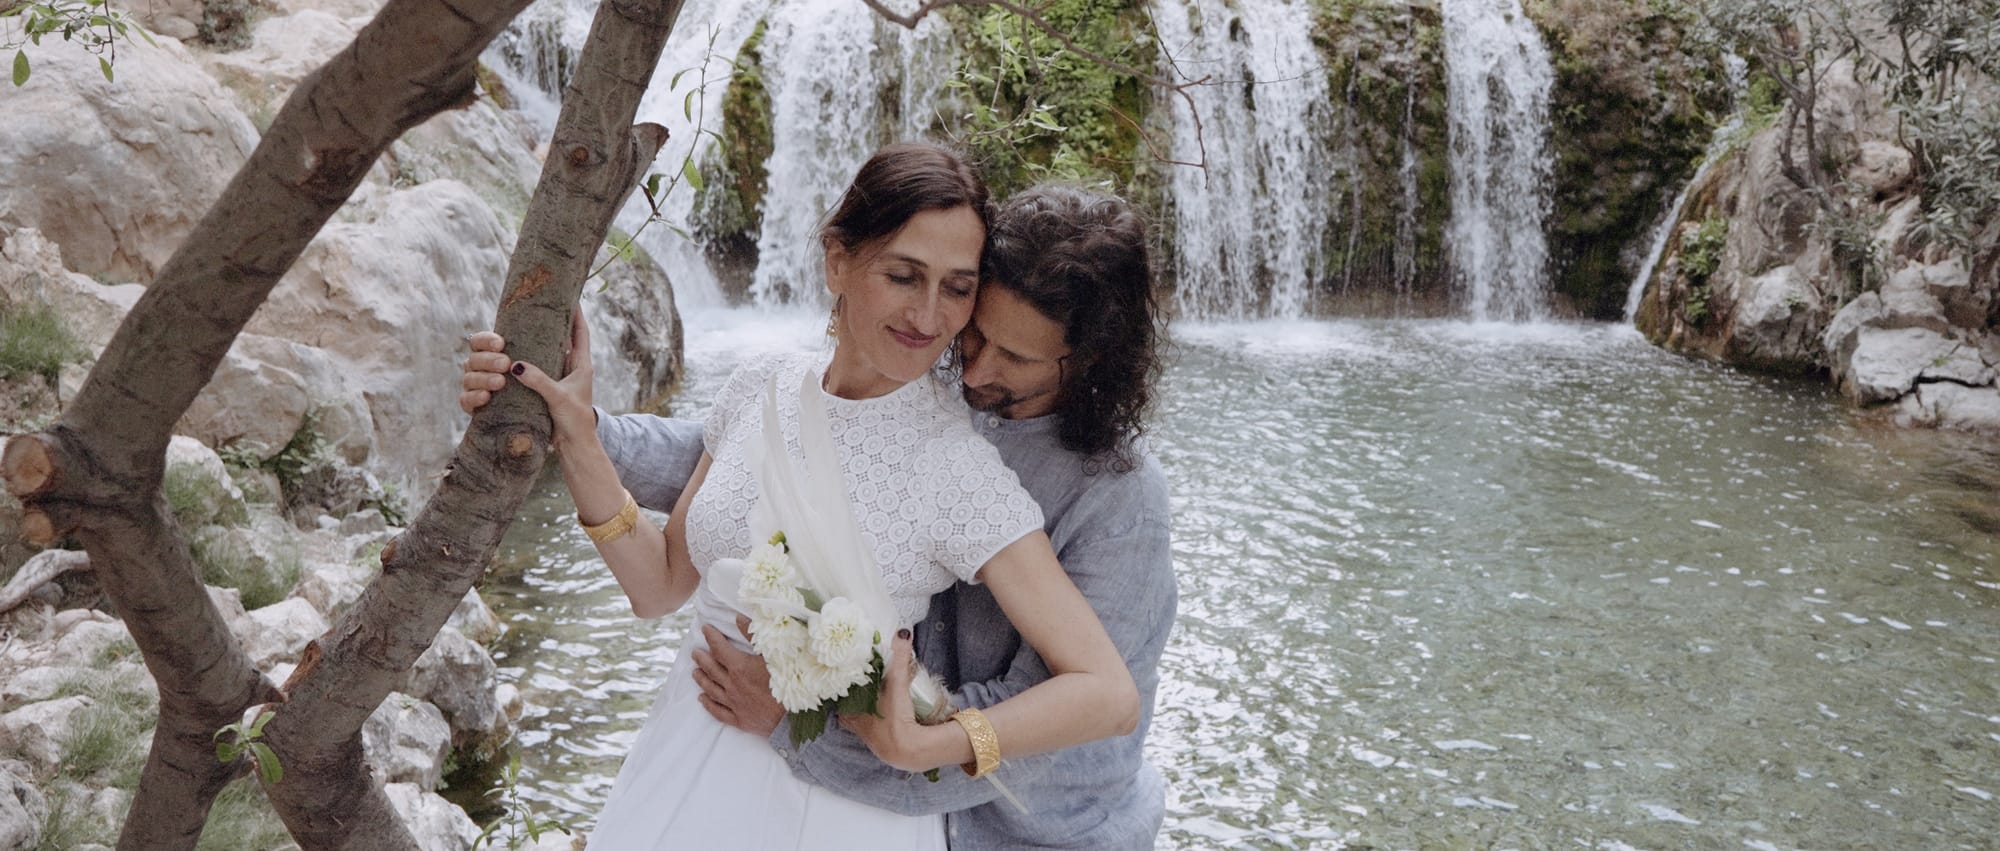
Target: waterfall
point(1497, 81)
point(1249, 229)
point(1406, 214)
point(1738, 71)
point(825, 68)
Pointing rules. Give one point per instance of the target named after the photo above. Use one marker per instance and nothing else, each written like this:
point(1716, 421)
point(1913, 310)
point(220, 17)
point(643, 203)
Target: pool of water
point(1470, 586)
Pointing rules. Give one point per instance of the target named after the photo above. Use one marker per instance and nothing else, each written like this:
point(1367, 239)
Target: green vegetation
point(224, 563)
point(728, 210)
point(1637, 96)
point(35, 341)
point(1385, 72)
point(242, 818)
point(91, 24)
point(1032, 110)
point(1701, 251)
point(517, 824)
point(190, 494)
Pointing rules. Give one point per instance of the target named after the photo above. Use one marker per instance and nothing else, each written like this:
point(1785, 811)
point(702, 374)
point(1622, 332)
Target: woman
point(934, 501)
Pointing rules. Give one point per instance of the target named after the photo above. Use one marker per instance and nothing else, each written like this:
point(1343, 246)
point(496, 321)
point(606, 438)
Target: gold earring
point(833, 319)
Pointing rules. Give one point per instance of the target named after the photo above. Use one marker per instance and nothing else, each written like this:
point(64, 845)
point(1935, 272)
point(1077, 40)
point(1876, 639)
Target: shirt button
point(992, 422)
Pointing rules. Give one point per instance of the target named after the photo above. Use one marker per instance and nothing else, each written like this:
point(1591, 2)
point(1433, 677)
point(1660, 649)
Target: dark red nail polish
point(519, 367)
point(902, 633)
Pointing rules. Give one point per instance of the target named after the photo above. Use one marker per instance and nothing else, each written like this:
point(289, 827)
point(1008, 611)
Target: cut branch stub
point(37, 529)
point(27, 465)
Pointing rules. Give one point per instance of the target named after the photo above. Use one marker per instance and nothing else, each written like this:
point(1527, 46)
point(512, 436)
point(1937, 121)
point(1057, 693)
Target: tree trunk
point(96, 474)
point(592, 167)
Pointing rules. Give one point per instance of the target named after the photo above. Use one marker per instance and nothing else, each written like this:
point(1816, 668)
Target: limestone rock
point(459, 677)
point(436, 824)
point(331, 588)
point(1954, 406)
point(407, 741)
point(281, 630)
point(32, 272)
point(1882, 169)
point(475, 619)
point(37, 731)
point(1775, 322)
point(176, 19)
point(118, 173)
point(1888, 362)
point(283, 50)
point(393, 298)
point(81, 644)
point(196, 475)
point(22, 809)
point(263, 392)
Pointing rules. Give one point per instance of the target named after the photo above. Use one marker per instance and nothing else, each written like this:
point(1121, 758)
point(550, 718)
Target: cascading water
point(1738, 71)
point(1497, 82)
point(824, 68)
point(1248, 229)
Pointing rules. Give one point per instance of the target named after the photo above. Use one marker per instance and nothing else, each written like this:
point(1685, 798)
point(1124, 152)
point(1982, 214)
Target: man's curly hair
point(1080, 258)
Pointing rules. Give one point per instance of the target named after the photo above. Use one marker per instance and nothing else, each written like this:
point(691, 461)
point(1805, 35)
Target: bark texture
point(96, 475)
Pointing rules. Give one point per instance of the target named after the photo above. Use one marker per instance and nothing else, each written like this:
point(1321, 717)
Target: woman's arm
point(655, 572)
point(1091, 695)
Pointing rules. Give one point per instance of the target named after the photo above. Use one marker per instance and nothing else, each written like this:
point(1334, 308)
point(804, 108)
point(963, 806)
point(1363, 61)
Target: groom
point(1059, 364)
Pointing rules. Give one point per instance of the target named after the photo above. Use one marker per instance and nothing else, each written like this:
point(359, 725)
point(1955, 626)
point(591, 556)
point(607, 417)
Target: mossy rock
point(1636, 99)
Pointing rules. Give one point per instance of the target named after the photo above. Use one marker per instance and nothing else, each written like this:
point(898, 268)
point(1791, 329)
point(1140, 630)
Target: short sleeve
point(736, 394)
point(981, 506)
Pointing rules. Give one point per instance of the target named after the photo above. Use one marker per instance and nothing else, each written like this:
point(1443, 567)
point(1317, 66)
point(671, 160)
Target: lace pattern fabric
point(931, 496)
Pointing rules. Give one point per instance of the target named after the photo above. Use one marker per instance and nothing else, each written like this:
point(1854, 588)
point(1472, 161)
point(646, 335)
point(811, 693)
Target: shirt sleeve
point(654, 456)
point(981, 507)
point(841, 762)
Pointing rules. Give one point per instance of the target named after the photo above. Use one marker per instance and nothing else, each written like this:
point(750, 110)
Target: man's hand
point(735, 686)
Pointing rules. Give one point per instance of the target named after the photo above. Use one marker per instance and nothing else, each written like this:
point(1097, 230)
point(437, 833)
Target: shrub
point(34, 341)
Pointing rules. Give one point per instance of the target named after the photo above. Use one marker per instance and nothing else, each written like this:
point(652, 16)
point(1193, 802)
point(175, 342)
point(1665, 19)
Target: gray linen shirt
point(1110, 532)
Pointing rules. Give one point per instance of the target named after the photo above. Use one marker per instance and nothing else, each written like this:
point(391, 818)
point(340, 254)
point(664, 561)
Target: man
point(1058, 364)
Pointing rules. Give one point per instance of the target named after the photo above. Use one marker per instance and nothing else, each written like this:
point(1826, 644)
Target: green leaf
point(104, 65)
point(807, 725)
point(268, 768)
point(687, 104)
point(225, 752)
point(692, 174)
point(653, 185)
point(20, 68)
point(675, 81)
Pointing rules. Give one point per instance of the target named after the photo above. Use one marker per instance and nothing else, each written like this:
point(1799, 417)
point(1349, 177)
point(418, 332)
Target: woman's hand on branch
point(568, 398)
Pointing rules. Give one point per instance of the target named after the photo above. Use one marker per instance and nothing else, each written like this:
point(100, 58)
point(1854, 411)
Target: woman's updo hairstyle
point(898, 182)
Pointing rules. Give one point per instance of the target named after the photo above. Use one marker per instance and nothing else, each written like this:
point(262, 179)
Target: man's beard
point(991, 400)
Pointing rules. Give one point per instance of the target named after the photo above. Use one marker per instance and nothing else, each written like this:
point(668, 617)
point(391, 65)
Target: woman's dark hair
point(1080, 259)
point(898, 182)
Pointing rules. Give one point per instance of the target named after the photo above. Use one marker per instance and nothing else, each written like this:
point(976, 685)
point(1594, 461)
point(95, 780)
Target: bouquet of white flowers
point(810, 584)
point(824, 654)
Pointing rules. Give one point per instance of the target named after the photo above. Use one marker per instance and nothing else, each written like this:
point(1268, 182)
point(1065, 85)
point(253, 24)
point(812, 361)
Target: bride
point(933, 502)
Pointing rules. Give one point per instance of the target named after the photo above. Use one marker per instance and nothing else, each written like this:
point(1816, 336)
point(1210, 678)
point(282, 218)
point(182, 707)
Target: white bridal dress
point(929, 499)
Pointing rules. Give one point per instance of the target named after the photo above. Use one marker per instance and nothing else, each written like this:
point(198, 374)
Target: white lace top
point(931, 496)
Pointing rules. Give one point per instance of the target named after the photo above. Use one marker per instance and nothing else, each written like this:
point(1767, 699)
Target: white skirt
point(692, 782)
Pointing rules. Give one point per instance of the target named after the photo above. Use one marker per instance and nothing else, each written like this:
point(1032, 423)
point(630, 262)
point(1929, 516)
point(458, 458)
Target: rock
point(635, 337)
point(118, 173)
point(1888, 362)
point(1882, 170)
point(37, 731)
point(475, 619)
point(199, 486)
point(459, 677)
point(176, 19)
point(263, 392)
point(1954, 406)
point(281, 630)
point(22, 809)
point(230, 602)
point(32, 272)
point(282, 51)
point(81, 644)
point(435, 823)
point(1775, 323)
point(407, 741)
point(393, 297)
point(110, 805)
point(367, 521)
point(511, 701)
point(1949, 285)
point(36, 684)
point(331, 588)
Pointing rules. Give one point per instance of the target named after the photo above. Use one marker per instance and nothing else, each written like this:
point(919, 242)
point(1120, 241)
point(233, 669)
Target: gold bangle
point(617, 527)
point(985, 743)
